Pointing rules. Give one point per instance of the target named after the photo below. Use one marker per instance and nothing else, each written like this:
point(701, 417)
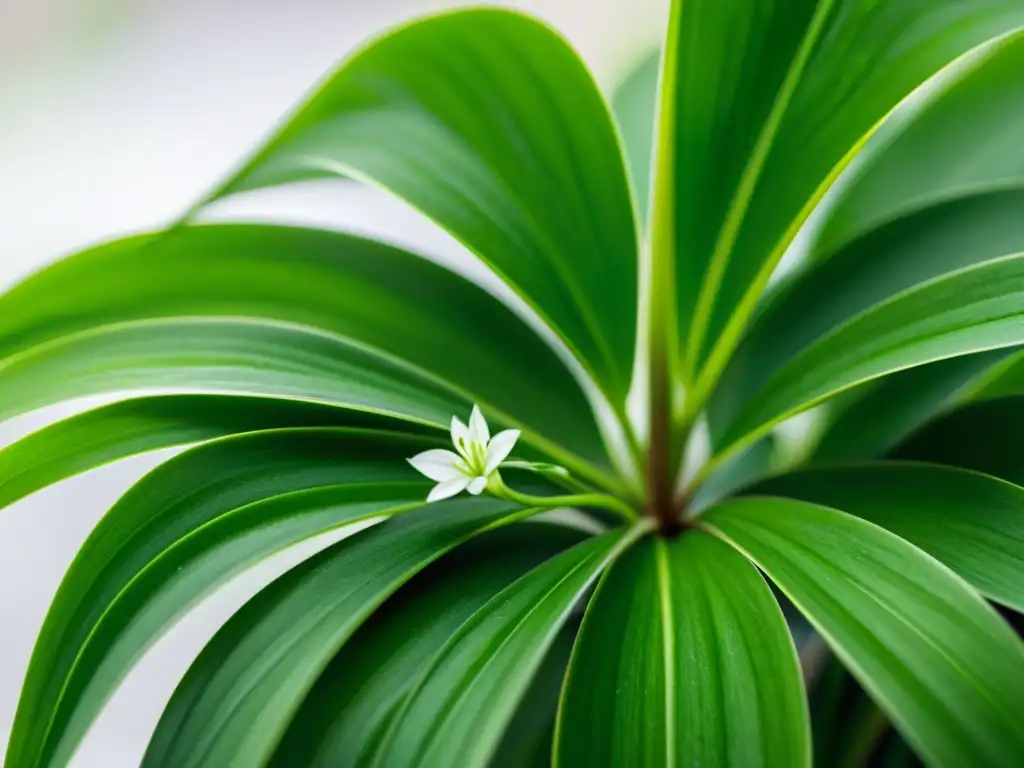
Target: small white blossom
point(477, 456)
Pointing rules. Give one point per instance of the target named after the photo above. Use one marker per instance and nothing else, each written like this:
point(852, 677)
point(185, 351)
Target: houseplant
point(316, 376)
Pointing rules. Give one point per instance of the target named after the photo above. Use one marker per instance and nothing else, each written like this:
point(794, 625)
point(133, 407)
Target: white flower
point(478, 456)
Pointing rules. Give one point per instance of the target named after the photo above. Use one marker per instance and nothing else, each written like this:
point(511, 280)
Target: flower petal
point(448, 488)
point(477, 485)
point(500, 447)
point(478, 426)
point(460, 436)
point(437, 464)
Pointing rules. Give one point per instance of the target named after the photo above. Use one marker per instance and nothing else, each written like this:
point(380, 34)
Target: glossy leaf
point(872, 420)
point(969, 311)
point(979, 110)
point(634, 102)
point(94, 438)
point(236, 701)
point(489, 123)
point(981, 436)
point(872, 269)
point(683, 659)
point(797, 87)
point(344, 717)
point(971, 522)
point(423, 317)
point(929, 650)
point(459, 709)
point(125, 588)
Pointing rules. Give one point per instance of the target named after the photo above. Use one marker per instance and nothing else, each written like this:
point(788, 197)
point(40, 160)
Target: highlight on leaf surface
point(553, 582)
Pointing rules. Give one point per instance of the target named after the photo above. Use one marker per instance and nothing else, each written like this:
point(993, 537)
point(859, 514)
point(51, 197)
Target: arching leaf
point(345, 715)
point(971, 522)
point(487, 122)
point(373, 296)
point(465, 700)
point(683, 659)
point(240, 695)
point(116, 431)
point(937, 658)
point(969, 311)
point(758, 144)
point(125, 587)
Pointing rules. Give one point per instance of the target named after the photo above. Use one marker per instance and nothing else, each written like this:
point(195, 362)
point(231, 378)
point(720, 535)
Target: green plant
point(304, 368)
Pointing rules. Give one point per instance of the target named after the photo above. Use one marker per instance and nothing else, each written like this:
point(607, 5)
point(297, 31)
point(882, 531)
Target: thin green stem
point(497, 488)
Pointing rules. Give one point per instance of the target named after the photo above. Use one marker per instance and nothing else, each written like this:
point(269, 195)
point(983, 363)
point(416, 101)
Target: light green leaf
point(871, 420)
point(634, 102)
point(423, 318)
point(344, 717)
point(238, 698)
point(461, 706)
point(683, 659)
point(873, 269)
point(971, 522)
point(94, 438)
point(968, 311)
point(170, 539)
point(929, 650)
point(983, 436)
point(759, 142)
point(489, 123)
point(962, 141)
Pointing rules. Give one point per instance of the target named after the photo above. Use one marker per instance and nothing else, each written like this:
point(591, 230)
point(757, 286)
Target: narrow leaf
point(871, 270)
point(465, 700)
point(238, 698)
point(760, 141)
point(345, 715)
point(971, 522)
point(489, 123)
point(634, 102)
point(969, 311)
point(130, 427)
point(381, 299)
point(170, 539)
point(979, 110)
point(929, 650)
point(684, 659)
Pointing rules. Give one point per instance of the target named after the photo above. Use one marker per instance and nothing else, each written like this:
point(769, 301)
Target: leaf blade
point(916, 636)
point(968, 521)
point(239, 696)
point(710, 605)
point(531, 181)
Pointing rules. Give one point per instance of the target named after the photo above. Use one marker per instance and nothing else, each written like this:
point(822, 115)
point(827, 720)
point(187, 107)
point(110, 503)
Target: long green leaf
point(344, 717)
point(972, 310)
point(369, 294)
point(981, 436)
point(971, 522)
point(489, 123)
point(238, 698)
point(125, 587)
point(873, 419)
point(461, 706)
point(979, 111)
point(929, 650)
point(759, 141)
point(130, 427)
point(684, 659)
point(875, 268)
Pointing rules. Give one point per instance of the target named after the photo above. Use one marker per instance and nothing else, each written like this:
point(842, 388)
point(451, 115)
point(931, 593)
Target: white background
point(114, 116)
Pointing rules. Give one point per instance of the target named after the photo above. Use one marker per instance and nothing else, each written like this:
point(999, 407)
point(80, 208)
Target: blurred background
point(114, 116)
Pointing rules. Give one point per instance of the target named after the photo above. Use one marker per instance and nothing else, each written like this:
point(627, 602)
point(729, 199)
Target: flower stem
point(497, 488)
